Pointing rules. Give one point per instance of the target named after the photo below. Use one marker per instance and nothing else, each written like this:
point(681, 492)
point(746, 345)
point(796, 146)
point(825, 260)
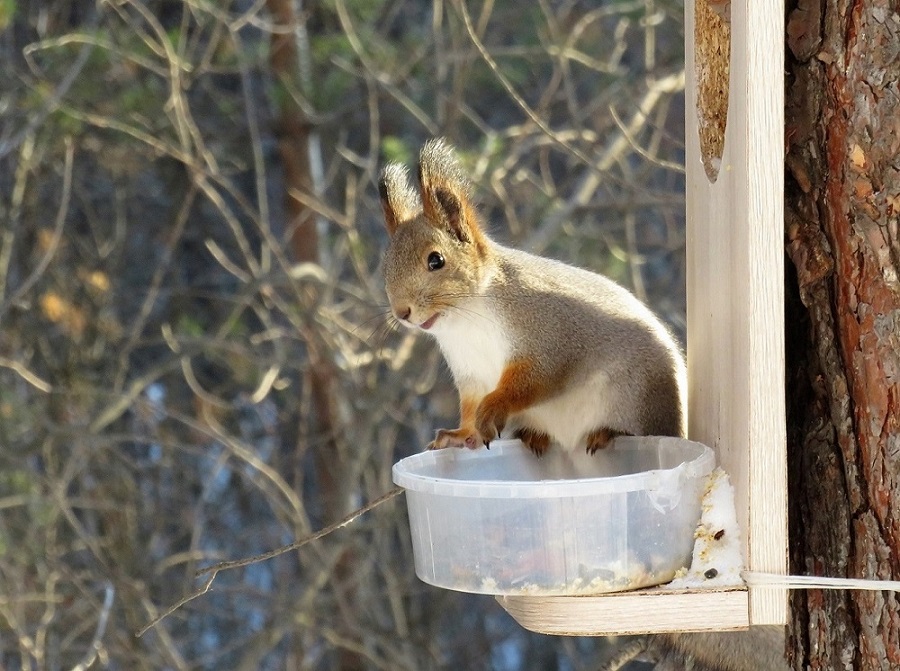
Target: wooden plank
point(735, 290)
point(642, 612)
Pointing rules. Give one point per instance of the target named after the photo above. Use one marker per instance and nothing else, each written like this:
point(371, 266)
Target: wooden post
point(735, 292)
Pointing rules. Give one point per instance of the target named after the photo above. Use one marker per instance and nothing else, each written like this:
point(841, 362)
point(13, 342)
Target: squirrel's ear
point(445, 192)
point(398, 199)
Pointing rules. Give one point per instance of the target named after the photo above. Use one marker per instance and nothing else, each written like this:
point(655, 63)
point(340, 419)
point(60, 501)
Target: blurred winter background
point(195, 363)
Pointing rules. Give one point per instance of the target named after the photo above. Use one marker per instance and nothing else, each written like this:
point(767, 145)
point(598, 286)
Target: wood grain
point(735, 293)
point(645, 611)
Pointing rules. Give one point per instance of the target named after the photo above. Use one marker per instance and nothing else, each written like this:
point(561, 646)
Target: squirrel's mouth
point(428, 323)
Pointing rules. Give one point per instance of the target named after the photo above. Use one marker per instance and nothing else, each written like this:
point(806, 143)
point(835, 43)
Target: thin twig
point(518, 99)
point(247, 561)
point(61, 215)
point(52, 103)
point(97, 642)
point(628, 134)
point(383, 78)
point(154, 288)
point(178, 604)
point(238, 563)
point(614, 151)
point(25, 374)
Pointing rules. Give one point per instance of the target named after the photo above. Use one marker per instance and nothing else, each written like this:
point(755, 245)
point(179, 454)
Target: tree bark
point(843, 326)
point(293, 129)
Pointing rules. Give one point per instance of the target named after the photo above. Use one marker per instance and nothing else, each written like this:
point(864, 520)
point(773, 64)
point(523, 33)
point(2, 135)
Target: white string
point(776, 580)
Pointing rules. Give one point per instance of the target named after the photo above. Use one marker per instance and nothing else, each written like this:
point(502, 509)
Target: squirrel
point(555, 353)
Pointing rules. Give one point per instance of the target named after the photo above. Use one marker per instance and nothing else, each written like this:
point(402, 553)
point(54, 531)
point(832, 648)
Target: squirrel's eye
point(435, 261)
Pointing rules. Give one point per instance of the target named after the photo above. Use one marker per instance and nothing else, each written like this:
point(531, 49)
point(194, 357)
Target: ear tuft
point(453, 214)
point(446, 191)
point(438, 164)
point(398, 199)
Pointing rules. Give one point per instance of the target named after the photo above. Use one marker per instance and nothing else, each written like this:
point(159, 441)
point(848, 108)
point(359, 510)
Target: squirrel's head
point(438, 256)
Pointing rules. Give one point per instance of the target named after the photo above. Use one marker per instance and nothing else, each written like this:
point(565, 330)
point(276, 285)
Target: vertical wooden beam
point(736, 288)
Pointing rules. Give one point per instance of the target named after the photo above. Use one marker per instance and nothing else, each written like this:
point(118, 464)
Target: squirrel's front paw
point(490, 419)
point(460, 437)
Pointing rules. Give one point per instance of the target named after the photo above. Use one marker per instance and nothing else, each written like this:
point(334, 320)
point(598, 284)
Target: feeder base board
point(648, 611)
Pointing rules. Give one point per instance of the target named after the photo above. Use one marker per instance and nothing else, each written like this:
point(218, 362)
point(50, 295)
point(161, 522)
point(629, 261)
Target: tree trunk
point(843, 326)
point(294, 131)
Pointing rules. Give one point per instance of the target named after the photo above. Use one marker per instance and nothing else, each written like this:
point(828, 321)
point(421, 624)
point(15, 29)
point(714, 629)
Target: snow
point(717, 560)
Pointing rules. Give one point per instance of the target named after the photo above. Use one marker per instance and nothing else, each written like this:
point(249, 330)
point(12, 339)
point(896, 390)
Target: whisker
point(463, 295)
point(382, 316)
point(477, 319)
point(384, 331)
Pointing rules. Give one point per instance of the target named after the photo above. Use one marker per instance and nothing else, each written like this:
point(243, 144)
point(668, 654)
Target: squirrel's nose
point(403, 313)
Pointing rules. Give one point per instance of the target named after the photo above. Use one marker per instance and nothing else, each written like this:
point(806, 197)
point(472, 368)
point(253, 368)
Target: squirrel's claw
point(536, 441)
point(600, 438)
point(489, 421)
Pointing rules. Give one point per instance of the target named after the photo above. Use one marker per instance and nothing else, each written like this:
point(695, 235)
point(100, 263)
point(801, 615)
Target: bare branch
point(247, 561)
point(97, 642)
point(296, 545)
point(58, 226)
point(175, 606)
point(26, 374)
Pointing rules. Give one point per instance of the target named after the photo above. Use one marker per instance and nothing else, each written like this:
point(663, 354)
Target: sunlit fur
point(593, 356)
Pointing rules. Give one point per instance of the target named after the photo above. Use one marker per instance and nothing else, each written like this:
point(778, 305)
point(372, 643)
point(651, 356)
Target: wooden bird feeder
point(735, 299)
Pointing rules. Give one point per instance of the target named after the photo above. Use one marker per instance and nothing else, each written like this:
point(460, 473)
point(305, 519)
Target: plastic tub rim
point(652, 480)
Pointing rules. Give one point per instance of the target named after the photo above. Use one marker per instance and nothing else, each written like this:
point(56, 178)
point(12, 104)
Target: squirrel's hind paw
point(460, 437)
point(600, 438)
point(536, 441)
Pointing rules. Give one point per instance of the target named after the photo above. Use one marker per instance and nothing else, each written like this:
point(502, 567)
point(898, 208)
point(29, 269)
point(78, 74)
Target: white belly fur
point(476, 350)
point(568, 418)
point(474, 345)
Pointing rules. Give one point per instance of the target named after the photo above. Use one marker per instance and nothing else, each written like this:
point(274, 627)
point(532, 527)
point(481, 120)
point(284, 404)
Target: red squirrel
point(554, 353)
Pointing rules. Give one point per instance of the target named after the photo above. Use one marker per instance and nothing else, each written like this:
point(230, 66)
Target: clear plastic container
point(502, 521)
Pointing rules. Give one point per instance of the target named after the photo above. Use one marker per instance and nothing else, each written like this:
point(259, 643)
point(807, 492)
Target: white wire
point(775, 580)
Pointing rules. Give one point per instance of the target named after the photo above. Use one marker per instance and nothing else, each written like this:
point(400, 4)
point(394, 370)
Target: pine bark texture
point(843, 325)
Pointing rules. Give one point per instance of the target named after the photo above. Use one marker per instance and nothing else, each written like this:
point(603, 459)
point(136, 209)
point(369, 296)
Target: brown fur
point(758, 649)
point(535, 441)
point(600, 438)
